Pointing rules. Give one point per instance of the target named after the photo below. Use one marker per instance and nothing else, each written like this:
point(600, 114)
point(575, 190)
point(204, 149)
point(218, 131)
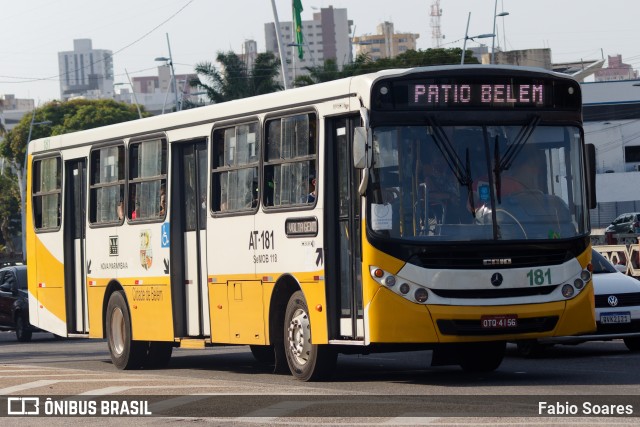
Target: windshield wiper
point(462, 173)
point(504, 163)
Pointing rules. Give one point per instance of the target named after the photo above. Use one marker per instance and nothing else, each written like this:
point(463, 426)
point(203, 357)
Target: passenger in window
point(163, 201)
point(311, 197)
point(120, 209)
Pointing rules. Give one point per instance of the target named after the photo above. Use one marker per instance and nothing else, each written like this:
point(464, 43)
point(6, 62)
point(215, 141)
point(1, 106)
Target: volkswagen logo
point(496, 279)
point(612, 300)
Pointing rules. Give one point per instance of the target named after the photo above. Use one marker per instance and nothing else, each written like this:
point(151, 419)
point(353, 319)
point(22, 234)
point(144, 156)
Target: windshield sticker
point(483, 191)
point(146, 253)
point(381, 216)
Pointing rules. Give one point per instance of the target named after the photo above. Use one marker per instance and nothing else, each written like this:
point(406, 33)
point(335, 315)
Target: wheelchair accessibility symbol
point(165, 236)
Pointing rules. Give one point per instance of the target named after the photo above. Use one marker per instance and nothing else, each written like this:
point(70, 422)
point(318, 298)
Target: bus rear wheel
point(125, 352)
point(307, 361)
point(482, 356)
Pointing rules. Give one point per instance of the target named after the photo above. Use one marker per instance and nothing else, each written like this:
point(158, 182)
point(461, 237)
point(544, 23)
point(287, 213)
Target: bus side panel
point(315, 295)
point(218, 303)
point(50, 313)
point(149, 306)
point(95, 301)
point(393, 319)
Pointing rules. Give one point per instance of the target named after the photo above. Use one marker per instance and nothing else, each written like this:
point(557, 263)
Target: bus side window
point(147, 178)
point(290, 161)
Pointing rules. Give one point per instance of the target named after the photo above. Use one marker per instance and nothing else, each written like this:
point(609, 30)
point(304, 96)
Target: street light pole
point(466, 37)
point(169, 62)
point(493, 41)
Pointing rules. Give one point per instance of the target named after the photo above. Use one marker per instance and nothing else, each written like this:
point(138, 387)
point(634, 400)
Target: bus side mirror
point(360, 147)
point(590, 157)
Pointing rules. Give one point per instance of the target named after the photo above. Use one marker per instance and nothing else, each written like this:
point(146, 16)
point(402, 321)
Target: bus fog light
point(405, 288)
point(585, 275)
point(390, 281)
point(567, 291)
point(421, 295)
point(578, 284)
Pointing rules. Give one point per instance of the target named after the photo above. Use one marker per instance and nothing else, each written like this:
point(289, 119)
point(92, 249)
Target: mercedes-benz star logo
point(496, 279)
point(612, 300)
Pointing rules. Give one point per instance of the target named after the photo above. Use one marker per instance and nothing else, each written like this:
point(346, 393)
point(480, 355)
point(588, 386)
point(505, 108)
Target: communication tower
point(436, 13)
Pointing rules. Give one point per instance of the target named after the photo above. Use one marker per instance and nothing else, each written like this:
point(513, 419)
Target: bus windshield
point(477, 183)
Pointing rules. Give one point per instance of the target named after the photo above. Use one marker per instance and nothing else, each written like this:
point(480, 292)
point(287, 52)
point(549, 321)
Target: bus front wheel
point(482, 356)
point(125, 352)
point(307, 361)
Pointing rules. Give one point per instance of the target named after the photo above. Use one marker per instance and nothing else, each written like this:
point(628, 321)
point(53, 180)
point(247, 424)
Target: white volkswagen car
point(617, 311)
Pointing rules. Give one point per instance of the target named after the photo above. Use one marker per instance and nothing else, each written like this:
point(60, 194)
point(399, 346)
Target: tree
point(236, 81)
point(59, 117)
point(363, 64)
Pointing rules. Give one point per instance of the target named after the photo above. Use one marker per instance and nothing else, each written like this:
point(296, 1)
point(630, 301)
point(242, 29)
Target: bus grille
point(619, 328)
point(465, 259)
point(494, 293)
point(624, 300)
point(474, 328)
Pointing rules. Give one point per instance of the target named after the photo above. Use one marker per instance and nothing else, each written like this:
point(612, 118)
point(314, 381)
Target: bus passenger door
point(74, 212)
point(342, 239)
point(188, 239)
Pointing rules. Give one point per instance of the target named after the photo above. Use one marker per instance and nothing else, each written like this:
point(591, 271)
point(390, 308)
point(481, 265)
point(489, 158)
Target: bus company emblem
point(497, 261)
point(496, 279)
point(612, 300)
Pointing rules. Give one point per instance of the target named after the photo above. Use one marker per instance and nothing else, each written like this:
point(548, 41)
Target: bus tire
point(125, 352)
point(159, 355)
point(632, 343)
point(263, 354)
point(482, 356)
point(307, 361)
point(23, 331)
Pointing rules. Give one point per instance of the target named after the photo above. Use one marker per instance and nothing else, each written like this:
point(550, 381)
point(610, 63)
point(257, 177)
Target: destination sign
point(476, 92)
point(434, 94)
point(301, 226)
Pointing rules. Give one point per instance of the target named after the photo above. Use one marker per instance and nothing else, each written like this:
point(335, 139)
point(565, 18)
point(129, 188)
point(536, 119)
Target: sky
point(34, 31)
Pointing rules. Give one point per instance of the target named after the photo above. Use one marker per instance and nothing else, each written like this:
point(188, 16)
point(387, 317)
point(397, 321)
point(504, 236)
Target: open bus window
point(290, 161)
point(106, 191)
point(147, 180)
point(236, 154)
point(47, 188)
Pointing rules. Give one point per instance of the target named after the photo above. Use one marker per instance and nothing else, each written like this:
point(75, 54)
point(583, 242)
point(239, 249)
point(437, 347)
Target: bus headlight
point(567, 291)
point(421, 295)
point(405, 288)
point(585, 275)
point(390, 281)
point(578, 284)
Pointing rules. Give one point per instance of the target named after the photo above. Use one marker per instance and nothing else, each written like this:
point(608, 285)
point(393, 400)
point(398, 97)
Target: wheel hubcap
point(117, 331)
point(299, 335)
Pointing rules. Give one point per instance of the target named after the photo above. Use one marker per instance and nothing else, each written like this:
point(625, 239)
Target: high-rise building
point(85, 72)
point(327, 36)
point(386, 43)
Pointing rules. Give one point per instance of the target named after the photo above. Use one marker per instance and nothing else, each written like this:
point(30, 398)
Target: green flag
point(297, 24)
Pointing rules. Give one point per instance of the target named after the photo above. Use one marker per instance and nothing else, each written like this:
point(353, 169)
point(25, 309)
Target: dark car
point(625, 223)
point(14, 303)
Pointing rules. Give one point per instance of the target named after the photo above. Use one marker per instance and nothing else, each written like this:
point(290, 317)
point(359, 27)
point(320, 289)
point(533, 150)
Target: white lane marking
point(27, 386)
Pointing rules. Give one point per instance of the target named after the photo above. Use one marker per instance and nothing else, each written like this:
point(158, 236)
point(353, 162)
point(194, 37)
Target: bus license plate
point(499, 321)
point(623, 317)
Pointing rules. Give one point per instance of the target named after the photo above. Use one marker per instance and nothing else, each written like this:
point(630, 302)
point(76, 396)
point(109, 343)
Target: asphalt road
point(225, 385)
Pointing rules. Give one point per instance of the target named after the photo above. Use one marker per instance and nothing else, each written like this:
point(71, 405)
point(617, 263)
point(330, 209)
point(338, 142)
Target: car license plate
point(499, 321)
point(623, 317)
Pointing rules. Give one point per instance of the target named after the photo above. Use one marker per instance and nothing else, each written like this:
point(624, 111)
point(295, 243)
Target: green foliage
point(65, 117)
point(236, 81)
point(9, 210)
point(364, 64)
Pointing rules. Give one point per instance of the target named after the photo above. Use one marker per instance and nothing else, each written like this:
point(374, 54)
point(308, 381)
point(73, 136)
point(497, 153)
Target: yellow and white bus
point(376, 213)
